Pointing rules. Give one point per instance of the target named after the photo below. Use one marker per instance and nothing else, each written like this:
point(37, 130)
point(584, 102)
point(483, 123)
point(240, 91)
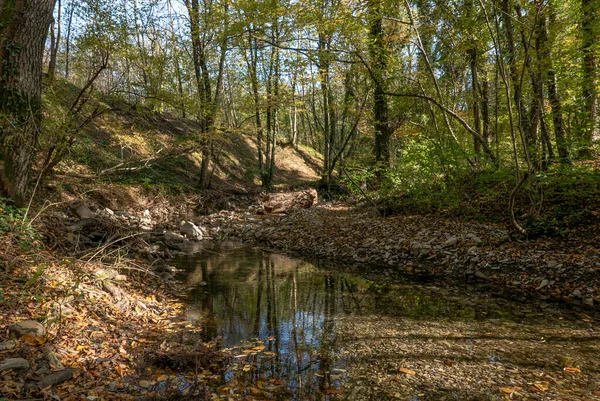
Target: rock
point(450, 242)
point(82, 210)
point(55, 378)
point(14, 363)
point(52, 358)
point(27, 327)
point(81, 224)
point(190, 230)
point(6, 345)
point(576, 293)
point(43, 371)
point(481, 275)
point(589, 301)
point(543, 284)
point(171, 237)
point(146, 220)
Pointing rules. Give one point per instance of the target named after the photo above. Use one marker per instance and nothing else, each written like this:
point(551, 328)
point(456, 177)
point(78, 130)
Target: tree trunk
point(378, 56)
point(590, 27)
point(22, 39)
point(252, 66)
point(324, 63)
point(54, 43)
point(524, 126)
point(476, 103)
point(68, 39)
point(547, 66)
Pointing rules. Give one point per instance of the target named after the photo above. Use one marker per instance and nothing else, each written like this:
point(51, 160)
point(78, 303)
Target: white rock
point(190, 230)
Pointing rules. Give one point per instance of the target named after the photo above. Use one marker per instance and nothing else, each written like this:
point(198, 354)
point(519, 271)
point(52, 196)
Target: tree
point(590, 28)
point(22, 39)
point(379, 67)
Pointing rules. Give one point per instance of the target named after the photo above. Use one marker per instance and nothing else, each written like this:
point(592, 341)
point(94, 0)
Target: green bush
point(14, 225)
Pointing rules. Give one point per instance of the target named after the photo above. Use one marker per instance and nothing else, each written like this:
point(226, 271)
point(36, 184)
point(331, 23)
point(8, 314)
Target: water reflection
point(290, 305)
point(300, 332)
point(244, 294)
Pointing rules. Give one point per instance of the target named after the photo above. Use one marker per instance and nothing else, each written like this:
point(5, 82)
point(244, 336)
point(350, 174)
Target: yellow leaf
point(572, 370)
point(408, 371)
point(507, 390)
point(540, 387)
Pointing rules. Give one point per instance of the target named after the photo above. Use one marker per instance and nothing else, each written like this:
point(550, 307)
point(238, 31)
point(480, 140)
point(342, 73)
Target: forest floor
point(142, 341)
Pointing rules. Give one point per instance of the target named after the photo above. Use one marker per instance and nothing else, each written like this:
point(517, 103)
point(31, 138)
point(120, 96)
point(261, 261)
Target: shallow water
point(301, 332)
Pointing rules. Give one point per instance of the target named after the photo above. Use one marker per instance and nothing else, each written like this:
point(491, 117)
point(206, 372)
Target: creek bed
point(302, 332)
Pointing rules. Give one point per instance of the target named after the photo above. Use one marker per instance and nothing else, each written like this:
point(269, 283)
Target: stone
point(6, 345)
point(576, 293)
point(589, 301)
point(27, 327)
point(52, 358)
point(14, 363)
point(450, 242)
point(82, 210)
point(170, 237)
point(481, 275)
point(543, 284)
point(190, 230)
point(146, 220)
point(55, 378)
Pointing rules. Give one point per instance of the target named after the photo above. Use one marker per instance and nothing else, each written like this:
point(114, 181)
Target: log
point(284, 201)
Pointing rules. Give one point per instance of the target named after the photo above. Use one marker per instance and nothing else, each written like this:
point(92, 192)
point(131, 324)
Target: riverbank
point(564, 269)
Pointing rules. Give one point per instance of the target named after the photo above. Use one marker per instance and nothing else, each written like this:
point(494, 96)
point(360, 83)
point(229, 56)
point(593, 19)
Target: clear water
point(293, 327)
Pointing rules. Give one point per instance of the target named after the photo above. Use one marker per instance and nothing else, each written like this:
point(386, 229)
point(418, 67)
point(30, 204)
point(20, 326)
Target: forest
point(307, 199)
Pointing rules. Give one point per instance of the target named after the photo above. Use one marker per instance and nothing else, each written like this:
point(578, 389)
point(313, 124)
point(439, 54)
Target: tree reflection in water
point(246, 294)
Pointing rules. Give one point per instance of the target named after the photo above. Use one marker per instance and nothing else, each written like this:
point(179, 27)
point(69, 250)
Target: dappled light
point(299, 200)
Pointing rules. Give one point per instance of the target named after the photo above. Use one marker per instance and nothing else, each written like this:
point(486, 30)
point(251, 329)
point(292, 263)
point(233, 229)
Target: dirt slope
point(129, 135)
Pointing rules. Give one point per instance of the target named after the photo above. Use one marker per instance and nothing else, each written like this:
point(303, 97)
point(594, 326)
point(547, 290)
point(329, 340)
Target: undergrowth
point(551, 203)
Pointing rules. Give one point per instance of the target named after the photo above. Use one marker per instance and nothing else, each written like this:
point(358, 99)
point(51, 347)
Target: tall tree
point(208, 103)
point(22, 38)
point(54, 40)
point(590, 28)
point(378, 55)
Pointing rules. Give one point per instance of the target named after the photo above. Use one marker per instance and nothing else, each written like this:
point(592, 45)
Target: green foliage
point(550, 204)
point(12, 224)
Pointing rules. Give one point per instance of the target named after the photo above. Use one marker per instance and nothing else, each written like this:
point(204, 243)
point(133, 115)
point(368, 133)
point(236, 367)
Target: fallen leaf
point(540, 387)
point(572, 370)
point(408, 371)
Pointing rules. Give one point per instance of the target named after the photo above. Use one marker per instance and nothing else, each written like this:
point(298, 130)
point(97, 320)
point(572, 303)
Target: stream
point(302, 332)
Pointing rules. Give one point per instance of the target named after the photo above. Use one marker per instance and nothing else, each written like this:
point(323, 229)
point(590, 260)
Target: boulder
point(27, 327)
point(56, 378)
point(450, 242)
point(190, 230)
point(14, 363)
point(82, 210)
point(6, 345)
